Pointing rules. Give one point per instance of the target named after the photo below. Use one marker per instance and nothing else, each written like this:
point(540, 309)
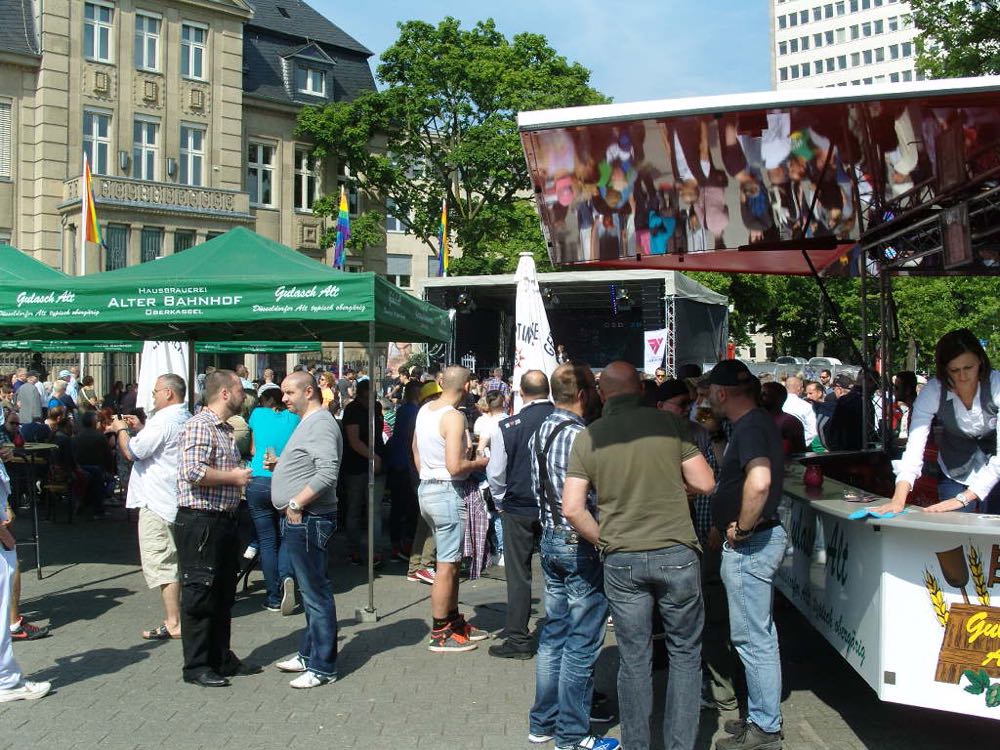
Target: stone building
point(186, 110)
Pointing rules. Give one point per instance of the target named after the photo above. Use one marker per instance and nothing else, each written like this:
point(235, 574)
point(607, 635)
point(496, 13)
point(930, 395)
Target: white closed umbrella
point(533, 347)
point(159, 358)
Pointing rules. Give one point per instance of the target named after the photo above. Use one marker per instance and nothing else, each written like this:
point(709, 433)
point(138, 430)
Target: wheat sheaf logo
point(971, 644)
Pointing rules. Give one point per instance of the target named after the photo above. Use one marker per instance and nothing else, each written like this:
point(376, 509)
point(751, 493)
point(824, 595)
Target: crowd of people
point(653, 505)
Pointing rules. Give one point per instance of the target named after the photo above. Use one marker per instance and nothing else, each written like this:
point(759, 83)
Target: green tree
point(443, 125)
point(957, 38)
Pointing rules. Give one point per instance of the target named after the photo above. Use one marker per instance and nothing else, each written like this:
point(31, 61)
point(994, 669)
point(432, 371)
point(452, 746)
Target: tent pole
point(190, 374)
point(340, 363)
point(370, 614)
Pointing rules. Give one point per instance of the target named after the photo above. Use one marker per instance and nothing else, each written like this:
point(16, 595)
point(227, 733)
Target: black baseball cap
point(672, 388)
point(730, 372)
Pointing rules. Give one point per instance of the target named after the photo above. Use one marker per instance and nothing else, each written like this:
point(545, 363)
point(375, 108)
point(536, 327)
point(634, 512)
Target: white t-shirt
point(153, 483)
point(484, 428)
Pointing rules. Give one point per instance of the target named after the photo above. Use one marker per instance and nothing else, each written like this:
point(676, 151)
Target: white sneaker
point(287, 596)
point(26, 691)
point(308, 680)
point(295, 664)
point(539, 739)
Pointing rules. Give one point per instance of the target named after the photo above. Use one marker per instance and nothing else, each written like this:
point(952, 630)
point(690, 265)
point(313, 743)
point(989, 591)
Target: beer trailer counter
point(905, 600)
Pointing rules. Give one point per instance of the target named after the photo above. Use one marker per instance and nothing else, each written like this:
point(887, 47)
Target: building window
point(879, 28)
point(805, 70)
point(893, 23)
point(817, 40)
point(193, 40)
point(97, 22)
point(116, 239)
point(840, 8)
point(854, 6)
point(817, 66)
point(828, 36)
point(394, 224)
point(841, 35)
point(866, 4)
point(147, 42)
point(867, 81)
point(260, 173)
point(345, 180)
point(306, 179)
point(795, 72)
point(183, 239)
point(893, 51)
point(432, 266)
point(192, 166)
point(97, 141)
point(907, 75)
point(804, 43)
point(782, 48)
point(828, 10)
point(783, 74)
point(841, 62)
point(151, 244)
point(145, 149)
point(867, 56)
point(894, 77)
point(793, 45)
point(830, 65)
point(866, 28)
point(793, 19)
point(817, 13)
point(6, 138)
point(855, 59)
point(310, 81)
point(907, 48)
point(781, 22)
point(880, 54)
point(803, 17)
point(399, 269)
point(855, 31)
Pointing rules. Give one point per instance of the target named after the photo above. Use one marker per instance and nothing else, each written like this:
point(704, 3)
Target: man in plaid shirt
point(496, 383)
point(575, 606)
point(210, 482)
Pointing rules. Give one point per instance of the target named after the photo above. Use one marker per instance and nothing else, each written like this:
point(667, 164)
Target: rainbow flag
point(343, 231)
point(91, 229)
point(443, 240)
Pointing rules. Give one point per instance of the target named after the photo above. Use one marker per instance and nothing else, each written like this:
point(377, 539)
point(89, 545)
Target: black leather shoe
point(233, 667)
point(506, 651)
point(208, 679)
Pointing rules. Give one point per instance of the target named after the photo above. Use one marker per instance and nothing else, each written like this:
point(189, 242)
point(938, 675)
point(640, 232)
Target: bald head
point(534, 385)
point(454, 378)
point(301, 381)
point(620, 379)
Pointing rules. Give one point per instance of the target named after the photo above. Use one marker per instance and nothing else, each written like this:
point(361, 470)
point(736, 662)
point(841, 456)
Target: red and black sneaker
point(25, 631)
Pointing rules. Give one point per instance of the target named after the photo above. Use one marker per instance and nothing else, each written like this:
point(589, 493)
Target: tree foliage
point(957, 37)
point(443, 125)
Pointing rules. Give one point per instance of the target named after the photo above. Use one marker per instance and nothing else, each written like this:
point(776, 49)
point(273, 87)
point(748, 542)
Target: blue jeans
point(948, 488)
point(570, 639)
point(670, 580)
point(273, 557)
point(306, 544)
point(748, 572)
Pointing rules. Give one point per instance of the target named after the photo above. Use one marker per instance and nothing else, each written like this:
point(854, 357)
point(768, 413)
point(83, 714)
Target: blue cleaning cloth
point(865, 513)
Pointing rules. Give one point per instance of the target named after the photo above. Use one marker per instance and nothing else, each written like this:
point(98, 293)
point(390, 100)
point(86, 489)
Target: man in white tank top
point(440, 450)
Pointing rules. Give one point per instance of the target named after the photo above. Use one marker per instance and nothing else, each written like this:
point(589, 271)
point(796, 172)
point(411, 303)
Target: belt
point(213, 513)
point(765, 525)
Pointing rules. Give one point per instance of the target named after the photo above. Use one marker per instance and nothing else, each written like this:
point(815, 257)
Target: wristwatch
point(294, 505)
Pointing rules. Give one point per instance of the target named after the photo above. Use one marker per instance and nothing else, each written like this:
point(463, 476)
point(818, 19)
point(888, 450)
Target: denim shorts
point(443, 508)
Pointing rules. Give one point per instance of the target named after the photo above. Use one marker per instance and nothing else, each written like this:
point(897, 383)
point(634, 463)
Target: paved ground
point(113, 690)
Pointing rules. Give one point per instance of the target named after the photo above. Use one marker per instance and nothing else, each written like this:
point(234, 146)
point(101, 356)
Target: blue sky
point(638, 49)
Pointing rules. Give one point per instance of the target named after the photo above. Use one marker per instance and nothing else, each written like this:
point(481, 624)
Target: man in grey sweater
point(304, 489)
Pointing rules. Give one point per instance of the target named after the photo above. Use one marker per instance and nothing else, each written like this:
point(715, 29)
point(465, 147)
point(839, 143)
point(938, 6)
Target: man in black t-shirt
point(354, 470)
point(745, 510)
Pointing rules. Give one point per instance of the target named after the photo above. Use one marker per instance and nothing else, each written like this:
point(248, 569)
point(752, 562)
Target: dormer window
point(311, 81)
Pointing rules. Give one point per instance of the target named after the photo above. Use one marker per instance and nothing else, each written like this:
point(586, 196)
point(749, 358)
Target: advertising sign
point(654, 350)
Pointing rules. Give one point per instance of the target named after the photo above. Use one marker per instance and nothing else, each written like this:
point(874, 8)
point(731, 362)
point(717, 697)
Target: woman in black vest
point(962, 401)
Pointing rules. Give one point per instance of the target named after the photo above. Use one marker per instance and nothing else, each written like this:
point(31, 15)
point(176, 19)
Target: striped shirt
point(206, 442)
point(557, 459)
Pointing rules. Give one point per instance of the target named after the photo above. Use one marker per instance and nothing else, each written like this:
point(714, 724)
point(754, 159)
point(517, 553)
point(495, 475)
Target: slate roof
point(269, 36)
point(17, 27)
point(299, 20)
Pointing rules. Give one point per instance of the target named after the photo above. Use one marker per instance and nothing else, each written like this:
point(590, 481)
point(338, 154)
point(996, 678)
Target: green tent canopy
point(18, 268)
point(237, 287)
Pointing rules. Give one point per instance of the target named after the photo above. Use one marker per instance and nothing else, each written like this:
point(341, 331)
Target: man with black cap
point(746, 512)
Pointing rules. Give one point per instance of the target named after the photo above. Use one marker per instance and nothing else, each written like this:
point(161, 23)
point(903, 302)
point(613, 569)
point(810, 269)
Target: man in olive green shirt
point(643, 463)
